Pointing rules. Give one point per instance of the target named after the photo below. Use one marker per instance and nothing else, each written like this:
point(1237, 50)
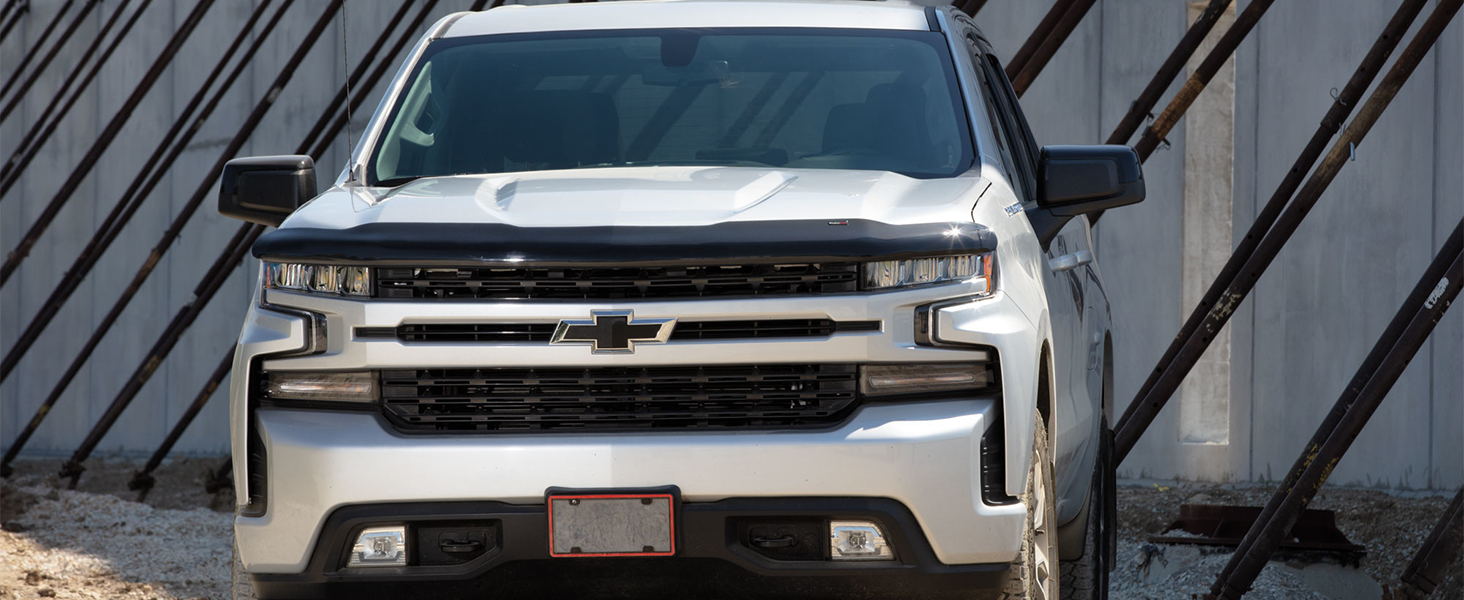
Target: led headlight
point(335, 386)
point(323, 279)
point(880, 380)
point(978, 269)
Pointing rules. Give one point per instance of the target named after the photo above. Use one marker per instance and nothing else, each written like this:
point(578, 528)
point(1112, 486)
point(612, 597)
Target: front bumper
point(713, 559)
point(924, 456)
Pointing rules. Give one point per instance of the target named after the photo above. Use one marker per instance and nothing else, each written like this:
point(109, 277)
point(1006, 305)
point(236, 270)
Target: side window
point(1012, 127)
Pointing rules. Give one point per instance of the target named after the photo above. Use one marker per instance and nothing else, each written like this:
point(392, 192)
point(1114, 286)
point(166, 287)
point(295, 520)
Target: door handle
point(1068, 262)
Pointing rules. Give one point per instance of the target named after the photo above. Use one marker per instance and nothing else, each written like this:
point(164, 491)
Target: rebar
point(31, 53)
point(1245, 566)
point(1427, 569)
point(1193, 37)
point(142, 481)
point(17, 164)
point(1049, 47)
point(76, 71)
point(1159, 129)
point(1039, 34)
point(35, 73)
point(41, 122)
point(1141, 413)
point(147, 178)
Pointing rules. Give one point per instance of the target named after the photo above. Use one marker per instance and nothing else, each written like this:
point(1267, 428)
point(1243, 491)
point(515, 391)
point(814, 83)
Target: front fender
point(265, 332)
point(999, 322)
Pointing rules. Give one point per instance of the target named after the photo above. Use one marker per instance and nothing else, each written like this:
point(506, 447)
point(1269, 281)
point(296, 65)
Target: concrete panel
point(1446, 455)
point(1140, 246)
point(1340, 279)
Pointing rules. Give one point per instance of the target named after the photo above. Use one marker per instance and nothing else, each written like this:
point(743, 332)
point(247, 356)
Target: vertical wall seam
point(1434, 243)
point(1254, 166)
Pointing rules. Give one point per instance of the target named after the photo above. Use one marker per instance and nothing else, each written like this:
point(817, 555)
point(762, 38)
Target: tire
point(242, 588)
point(1087, 577)
point(1034, 573)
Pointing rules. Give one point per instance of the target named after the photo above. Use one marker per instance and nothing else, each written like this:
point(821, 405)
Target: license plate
point(600, 525)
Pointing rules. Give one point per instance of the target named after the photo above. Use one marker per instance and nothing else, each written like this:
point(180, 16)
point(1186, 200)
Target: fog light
point(380, 547)
point(858, 540)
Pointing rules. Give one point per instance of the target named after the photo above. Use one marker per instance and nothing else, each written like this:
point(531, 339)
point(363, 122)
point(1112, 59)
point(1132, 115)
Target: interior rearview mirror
point(266, 189)
point(1076, 180)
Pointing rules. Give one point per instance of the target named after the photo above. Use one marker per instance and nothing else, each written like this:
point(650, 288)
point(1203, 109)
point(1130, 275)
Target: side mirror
point(266, 189)
point(1076, 180)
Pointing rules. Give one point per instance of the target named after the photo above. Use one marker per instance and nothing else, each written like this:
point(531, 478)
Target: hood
point(664, 196)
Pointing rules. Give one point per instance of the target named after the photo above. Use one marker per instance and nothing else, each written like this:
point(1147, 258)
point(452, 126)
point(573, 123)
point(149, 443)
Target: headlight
point(978, 269)
point(323, 279)
point(335, 386)
point(881, 380)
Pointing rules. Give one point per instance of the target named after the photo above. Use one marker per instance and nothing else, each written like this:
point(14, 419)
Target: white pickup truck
point(680, 299)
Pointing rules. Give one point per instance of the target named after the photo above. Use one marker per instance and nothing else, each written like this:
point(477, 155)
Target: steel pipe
point(1142, 411)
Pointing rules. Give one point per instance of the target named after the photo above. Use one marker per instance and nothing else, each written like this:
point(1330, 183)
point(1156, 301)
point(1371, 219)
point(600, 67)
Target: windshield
point(796, 98)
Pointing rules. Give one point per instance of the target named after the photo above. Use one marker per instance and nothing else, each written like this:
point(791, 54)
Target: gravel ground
point(97, 542)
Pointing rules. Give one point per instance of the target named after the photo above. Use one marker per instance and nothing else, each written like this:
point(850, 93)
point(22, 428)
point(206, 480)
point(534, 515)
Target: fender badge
point(838, 222)
point(1012, 210)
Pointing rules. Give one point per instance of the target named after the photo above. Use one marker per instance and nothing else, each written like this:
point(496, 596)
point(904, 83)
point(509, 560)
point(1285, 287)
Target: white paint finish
point(1204, 400)
point(653, 197)
point(841, 14)
point(909, 453)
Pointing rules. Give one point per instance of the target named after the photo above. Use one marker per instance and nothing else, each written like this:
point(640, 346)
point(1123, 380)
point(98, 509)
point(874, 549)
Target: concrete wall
point(1293, 345)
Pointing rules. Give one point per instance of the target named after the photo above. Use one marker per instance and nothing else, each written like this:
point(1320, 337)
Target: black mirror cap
point(266, 189)
point(1073, 180)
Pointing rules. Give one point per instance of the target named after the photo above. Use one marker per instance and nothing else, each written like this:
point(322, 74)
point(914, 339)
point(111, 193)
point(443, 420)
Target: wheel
point(1034, 574)
point(243, 589)
point(1087, 577)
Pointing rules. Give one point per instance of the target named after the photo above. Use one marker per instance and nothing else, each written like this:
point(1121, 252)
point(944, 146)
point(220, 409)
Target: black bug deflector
point(485, 244)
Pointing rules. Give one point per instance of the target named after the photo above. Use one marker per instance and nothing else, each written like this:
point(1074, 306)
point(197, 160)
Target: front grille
point(499, 333)
point(615, 283)
point(640, 398)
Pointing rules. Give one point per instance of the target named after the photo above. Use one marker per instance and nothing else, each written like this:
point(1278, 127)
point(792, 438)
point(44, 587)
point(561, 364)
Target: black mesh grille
point(685, 330)
point(716, 397)
point(615, 283)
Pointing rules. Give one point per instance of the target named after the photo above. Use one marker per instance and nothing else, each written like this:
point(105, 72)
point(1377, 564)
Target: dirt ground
point(98, 542)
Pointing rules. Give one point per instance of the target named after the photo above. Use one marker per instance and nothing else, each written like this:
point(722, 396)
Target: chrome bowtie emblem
point(612, 331)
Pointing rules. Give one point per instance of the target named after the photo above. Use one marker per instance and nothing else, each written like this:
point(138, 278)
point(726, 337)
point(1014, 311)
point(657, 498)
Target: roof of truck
point(654, 14)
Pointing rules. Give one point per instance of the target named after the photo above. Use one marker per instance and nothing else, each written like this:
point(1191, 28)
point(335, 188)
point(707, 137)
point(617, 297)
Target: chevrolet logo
point(614, 331)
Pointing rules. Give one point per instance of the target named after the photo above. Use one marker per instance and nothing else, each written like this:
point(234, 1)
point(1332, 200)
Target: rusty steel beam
point(1245, 565)
point(53, 106)
point(1428, 567)
point(45, 35)
point(1044, 52)
point(147, 179)
point(11, 20)
point(1193, 37)
point(76, 71)
point(73, 468)
point(17, 92)
point(1151, 398)
point(142, 481)
point(1244, 23)
point(18, 162)
point(1039, 34)
point(222, 268)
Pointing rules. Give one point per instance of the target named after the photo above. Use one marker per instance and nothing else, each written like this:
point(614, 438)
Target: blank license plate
point(611, 525)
